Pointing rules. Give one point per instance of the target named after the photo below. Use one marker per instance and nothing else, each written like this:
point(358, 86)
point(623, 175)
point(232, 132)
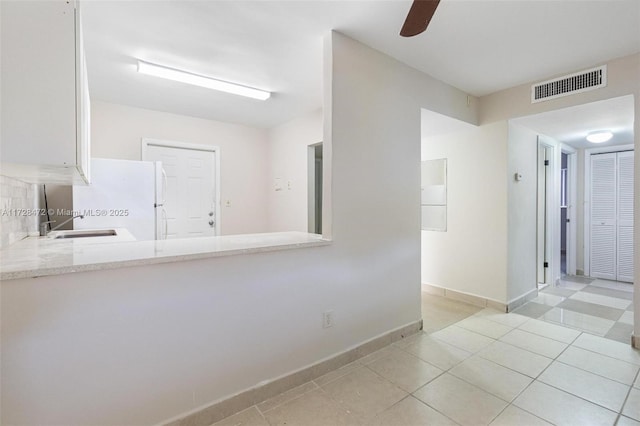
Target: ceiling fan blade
point(419, 17)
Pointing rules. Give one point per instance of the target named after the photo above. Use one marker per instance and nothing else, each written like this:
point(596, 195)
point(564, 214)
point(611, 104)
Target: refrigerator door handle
point(164, 186)
point(166, 223)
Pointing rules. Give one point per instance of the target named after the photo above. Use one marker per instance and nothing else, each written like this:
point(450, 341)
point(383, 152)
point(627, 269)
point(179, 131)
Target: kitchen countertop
point(42, 256)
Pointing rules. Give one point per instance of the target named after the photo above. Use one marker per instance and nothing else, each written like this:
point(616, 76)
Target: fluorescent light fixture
point(202, 81)
point(600, 136)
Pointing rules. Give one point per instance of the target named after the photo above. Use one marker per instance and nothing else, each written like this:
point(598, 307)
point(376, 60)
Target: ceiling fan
point(419, 17)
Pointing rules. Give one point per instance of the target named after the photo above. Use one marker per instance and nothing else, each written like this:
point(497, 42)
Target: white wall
point(288, 144)
point(142, 344)
point(116, 131)
point(522, 211)
point(471, 256)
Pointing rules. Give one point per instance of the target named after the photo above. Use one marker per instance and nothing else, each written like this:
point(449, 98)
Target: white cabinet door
point(603, 216)
point(44, 92)
point(625, 216)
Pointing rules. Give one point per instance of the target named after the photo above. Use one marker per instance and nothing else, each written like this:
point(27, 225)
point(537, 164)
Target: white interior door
point(625, 216)
point(603, 216)
point(190, 201)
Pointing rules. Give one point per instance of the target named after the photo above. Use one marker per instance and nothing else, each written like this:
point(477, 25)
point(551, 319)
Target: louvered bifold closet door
point(625, 216)
point(603, 216)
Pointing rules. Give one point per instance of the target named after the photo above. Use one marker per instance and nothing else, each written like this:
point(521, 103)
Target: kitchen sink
point(86, 234)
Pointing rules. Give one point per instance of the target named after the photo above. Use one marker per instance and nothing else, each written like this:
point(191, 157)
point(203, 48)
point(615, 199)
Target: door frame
point(587, 196)
point(572, 207)
point(312, 217)
point(545, 234)
point(146, 142)
point(553, 210)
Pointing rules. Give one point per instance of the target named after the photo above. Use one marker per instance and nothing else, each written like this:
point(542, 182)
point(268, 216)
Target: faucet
point(43, 225)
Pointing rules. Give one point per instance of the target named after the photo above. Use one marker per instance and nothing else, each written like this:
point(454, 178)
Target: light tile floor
point(471, 367)
point(600, 307)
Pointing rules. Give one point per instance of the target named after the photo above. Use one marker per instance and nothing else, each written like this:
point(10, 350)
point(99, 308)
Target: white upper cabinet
point(44, 132)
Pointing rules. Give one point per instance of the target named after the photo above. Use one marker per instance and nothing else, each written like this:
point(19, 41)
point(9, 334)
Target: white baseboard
point(213, 412)
point(480, 301)
point(522, 299)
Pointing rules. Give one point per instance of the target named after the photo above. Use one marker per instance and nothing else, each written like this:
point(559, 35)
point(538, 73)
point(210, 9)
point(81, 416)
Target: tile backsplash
point(18, 214)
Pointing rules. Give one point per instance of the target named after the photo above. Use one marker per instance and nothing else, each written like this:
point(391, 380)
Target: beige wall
point(116, 132)
point(288, 144)
point(522, 211)
point(622, 79)
point(471, 256)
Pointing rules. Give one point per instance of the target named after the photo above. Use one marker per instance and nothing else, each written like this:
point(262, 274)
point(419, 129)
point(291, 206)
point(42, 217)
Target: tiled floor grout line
point(547, 337)
point(261, 413)
point(619, 413)
point(584, 399)
point(624, 403)
point(443, 371)
point(535, 379)
point(412, 394)
point(608, 356)
point(509, 403)
point(596, 374)
point(433, 408)
point(286, 400)
point(477, 353)
point(432, 380)
point(627, 397)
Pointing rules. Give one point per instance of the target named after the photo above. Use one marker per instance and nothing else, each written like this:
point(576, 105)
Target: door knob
point(211, 223)
point(210, 213)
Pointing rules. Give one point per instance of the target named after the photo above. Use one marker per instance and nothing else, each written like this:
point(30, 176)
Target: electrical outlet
point(327, 319)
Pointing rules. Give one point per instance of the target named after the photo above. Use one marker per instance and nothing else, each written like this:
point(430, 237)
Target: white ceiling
point(572, 125)
point(479, 46)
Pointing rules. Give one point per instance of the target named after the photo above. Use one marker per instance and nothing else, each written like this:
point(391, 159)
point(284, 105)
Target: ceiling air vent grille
point(570, 84)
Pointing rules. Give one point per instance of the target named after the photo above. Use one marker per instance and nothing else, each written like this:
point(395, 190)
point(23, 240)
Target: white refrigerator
point(123, 194)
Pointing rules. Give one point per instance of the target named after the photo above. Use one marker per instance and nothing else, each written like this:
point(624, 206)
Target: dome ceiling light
point(599, 136)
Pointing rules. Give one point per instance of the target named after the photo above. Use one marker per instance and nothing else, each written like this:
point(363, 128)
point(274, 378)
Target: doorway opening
point(564, 219)
point(314, 191)
point(568, 208)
